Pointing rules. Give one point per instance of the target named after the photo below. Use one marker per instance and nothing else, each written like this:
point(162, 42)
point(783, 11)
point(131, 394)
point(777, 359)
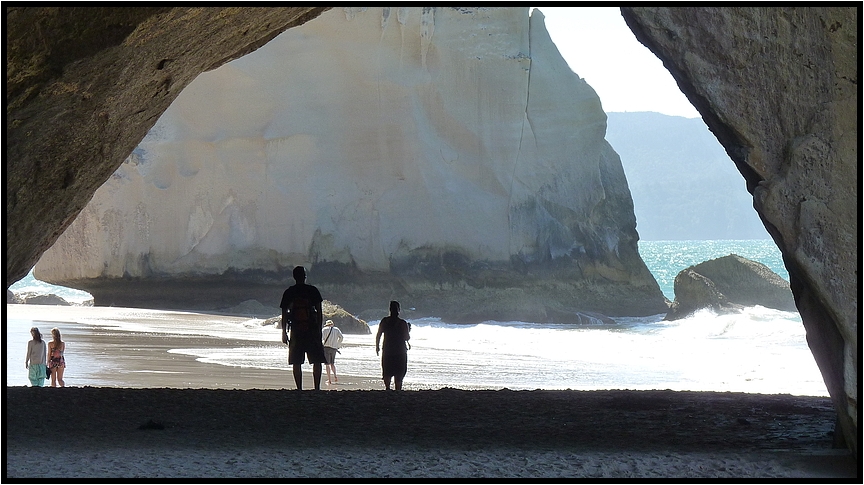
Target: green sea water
point(665, 259)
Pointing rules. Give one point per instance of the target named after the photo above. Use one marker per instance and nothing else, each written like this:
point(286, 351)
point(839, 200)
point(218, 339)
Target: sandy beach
point(444, 433)
point(177, 417)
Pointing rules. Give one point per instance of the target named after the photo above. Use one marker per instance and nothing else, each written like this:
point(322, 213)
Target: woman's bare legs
point(58, 375)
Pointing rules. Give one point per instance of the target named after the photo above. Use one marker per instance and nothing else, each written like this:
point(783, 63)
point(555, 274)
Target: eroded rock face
point(83, 87)
point(748, 283)
point(358, 146)
point(728, 284)
point(779, 89)
point(693, 292)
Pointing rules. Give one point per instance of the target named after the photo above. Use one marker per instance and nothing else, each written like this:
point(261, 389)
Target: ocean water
point(760, 350)
point(665, 259)
point(29, 284)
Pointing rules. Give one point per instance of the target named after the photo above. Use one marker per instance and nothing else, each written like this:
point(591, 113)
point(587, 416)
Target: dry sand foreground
point(220, 433)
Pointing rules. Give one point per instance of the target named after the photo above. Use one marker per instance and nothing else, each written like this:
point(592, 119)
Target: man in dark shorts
point(302, 312)
point(394, 359)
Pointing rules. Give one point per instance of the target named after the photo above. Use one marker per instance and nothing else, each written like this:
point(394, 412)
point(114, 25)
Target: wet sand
point(146, 363)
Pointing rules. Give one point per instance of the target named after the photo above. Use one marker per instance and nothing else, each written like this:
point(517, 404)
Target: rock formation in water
point(348, 323)
point(445, 157)
point(748, 282)
point(30, 298)
point(778, 86)
point(774, 84)
point(35, 298)
point(729, 283)
point(694, 292)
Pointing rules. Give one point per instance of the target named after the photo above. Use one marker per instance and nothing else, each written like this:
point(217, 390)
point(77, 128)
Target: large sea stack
point(444, 157)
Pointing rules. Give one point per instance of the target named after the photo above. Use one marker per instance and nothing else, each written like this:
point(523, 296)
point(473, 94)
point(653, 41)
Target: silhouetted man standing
point(302, 312)
point(394, 359)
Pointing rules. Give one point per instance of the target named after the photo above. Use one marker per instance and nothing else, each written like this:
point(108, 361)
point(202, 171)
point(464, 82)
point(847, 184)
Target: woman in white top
point(332, 339)
point(37, 358)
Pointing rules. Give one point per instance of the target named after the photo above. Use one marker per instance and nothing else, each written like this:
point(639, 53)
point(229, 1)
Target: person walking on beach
point(56, 360)
point(332, 343)
point(302, 313)
point(394, 358)
point(36, 359)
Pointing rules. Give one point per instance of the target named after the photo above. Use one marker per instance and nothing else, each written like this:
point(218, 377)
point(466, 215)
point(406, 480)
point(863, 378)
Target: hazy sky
point(601, 49)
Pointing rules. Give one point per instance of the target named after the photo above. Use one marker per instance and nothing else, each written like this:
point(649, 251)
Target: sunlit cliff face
point(358, 145)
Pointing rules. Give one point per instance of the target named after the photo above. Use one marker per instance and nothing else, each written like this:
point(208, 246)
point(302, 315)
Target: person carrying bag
point(332, 340)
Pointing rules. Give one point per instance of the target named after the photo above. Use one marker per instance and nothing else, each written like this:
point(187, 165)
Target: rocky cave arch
point(777, 86)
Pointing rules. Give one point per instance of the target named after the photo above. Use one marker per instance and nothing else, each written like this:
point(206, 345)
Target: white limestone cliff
point(372, 139)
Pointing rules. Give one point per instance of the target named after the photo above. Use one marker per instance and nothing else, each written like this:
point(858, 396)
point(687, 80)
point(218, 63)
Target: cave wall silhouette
point(778, 88)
